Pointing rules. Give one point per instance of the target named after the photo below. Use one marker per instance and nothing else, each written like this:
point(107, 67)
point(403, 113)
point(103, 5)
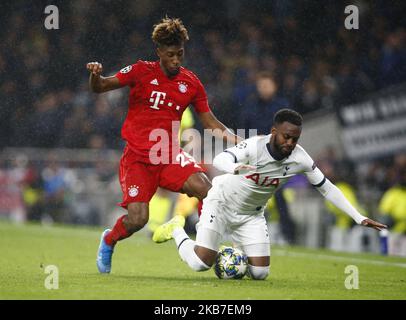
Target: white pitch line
point(329, 257)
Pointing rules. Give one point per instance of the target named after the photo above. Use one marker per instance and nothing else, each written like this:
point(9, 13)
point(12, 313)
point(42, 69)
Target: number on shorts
point(185, 158)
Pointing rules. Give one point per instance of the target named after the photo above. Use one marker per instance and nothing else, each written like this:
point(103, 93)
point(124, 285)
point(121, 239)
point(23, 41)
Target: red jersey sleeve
point(200, 102)
point(128, 75)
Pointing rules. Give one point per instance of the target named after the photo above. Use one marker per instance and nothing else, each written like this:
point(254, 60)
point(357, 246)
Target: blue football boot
point(104, 254)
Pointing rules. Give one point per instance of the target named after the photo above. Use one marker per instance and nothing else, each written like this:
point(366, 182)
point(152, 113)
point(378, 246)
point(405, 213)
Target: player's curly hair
point(169, 32)
point(288, 115)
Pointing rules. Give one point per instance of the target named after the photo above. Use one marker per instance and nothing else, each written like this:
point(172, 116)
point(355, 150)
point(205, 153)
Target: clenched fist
point(95, 67)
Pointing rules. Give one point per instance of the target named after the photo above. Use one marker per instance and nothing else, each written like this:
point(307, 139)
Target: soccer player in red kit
point(159, 93)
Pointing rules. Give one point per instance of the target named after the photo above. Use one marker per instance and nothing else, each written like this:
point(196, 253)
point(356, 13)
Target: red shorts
point(139, 180)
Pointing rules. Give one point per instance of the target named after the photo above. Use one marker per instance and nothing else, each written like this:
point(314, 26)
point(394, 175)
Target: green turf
point(145, 270)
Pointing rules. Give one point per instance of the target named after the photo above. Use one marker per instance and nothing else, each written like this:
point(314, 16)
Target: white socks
point(186, 248)
point(258, 273)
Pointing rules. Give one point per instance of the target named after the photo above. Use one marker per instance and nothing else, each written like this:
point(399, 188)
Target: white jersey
point(249, 192)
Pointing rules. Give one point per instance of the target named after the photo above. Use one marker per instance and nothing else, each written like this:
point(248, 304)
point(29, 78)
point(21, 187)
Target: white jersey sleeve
point(327, 189)
point(241, 153)
point(313, 174)
point(225, 162)
point(336, 197)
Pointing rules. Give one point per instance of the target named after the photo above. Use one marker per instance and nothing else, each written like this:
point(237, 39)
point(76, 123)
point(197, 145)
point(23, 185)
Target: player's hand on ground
point(95, 67)
point(244, 168)
point(373, 224)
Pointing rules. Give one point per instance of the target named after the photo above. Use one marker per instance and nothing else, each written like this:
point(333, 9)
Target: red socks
point(118, 233)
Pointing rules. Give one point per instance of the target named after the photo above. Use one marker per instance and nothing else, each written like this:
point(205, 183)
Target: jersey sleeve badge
point(126, 69)
point(241, 145)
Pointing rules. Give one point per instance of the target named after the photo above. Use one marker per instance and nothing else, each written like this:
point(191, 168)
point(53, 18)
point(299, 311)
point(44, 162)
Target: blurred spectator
point(393, 63)
point(261, 105)
point(53, 176)
point(393, 206)
point(342, 233)
point(258, 113)
point(46, 83)
point(11, 191)
point(32, 190)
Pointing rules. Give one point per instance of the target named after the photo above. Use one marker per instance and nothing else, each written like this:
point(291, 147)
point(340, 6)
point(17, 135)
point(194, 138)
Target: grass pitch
point(143, 270)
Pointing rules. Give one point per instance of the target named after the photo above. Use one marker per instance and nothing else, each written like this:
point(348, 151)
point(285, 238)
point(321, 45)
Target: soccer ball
point(231, 263)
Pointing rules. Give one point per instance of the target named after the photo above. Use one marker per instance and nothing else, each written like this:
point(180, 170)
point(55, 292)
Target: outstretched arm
point(209, 121)
point(236, 160)
point(335, 196)
point(227, 162)
point(99, 83)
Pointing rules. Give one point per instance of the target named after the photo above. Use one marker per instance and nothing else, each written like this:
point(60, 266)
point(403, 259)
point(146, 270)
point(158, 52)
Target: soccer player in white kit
point(254, 168)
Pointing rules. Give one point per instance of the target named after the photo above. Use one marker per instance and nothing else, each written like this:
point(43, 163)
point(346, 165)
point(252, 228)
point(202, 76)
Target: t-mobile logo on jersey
point(157, 98)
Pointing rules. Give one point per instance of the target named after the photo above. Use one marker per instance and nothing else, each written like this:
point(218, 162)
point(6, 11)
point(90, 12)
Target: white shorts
point(248, 232)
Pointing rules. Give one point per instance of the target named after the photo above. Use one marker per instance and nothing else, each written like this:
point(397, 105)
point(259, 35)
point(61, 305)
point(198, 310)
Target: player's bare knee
point(202, 189)
point(198, 185)
point(258, 273)
point(207, 256)
point(137, 218)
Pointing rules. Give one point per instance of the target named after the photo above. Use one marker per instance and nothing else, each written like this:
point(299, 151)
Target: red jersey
point(155, 102)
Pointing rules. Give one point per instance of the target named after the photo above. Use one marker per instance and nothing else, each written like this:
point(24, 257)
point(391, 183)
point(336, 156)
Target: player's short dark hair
point(169, 32)
point(287, 115)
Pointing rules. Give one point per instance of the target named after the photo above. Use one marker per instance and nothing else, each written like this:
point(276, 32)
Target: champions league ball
point(231, 263)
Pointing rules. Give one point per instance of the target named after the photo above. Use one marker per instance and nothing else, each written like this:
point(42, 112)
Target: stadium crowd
point(316, 63)
point(312, 61)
